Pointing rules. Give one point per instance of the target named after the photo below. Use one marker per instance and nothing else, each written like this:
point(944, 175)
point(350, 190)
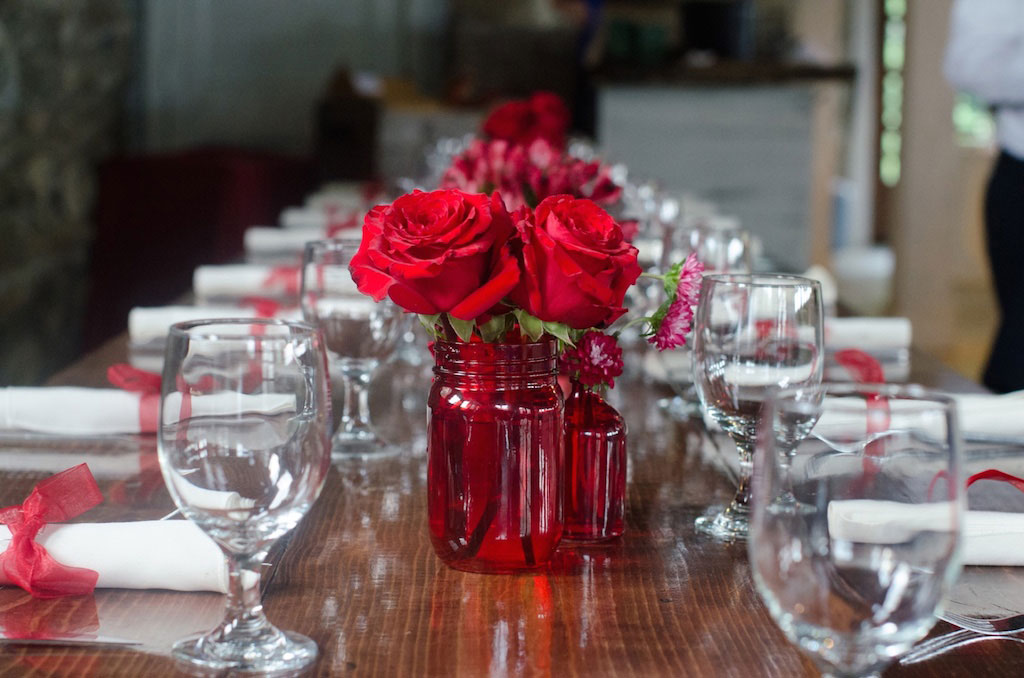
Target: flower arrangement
point(525, 175)
point(475, 272)
point(542, 116)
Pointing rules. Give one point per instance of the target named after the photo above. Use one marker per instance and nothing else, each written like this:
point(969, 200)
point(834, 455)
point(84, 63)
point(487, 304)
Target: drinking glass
point(722, 246)
point(359, 333)
point(854, 570)
point(751, 333)
point(243, 447)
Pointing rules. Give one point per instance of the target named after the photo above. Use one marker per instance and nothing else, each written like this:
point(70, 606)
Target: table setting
point(473, 429)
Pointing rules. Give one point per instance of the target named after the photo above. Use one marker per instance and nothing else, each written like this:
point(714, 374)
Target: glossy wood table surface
point(359, 575)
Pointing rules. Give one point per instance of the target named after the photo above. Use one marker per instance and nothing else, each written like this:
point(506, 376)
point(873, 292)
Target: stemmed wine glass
point(244, 451)
point(752, 333)
point(856, 576)
point(721, 246)
point(359, 334)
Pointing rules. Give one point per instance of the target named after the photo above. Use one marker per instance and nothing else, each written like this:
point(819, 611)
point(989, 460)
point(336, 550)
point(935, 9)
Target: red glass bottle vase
point(595, 467)
point(494, 465)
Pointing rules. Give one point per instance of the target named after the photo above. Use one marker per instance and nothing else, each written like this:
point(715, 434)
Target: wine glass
point(752, 333)
point(359, 334)
point(244, 451)
point(721, 246)
point(856, 575)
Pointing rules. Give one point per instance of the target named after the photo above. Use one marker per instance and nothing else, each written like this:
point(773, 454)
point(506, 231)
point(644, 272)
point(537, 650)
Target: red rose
point(542, 116)
point(576, 266)
point(439, 252)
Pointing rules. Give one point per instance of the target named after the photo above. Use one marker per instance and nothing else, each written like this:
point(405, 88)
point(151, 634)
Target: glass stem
point(355, 413)
point(244, 616)
point(741, 500)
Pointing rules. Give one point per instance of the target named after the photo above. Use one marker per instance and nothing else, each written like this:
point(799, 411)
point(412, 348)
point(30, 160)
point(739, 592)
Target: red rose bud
point(575, 264)
point(439, 252)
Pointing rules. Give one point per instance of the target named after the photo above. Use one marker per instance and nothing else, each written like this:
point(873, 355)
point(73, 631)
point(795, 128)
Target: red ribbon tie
point(26, 563)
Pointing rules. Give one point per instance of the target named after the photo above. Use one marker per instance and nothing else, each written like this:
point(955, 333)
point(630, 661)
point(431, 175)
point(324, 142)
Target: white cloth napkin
point(152, 554)
point(989, 537)
point(304, 218)
point(235, 281)
point(978, 415)
point(999, 415)
point(262, 241)
point(78, 411)
point(320, 219)
point(867, 334)
point(69, 410)
point(150, 324)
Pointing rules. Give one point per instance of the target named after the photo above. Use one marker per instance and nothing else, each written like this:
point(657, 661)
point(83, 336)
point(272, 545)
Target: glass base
point(728, 524)
point(346, 447)
point(680, 409)
point(280, 653)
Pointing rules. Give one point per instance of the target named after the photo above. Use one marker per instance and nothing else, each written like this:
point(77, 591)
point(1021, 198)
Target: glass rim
point(903, 392)
point(761, 279)
point(187, 329)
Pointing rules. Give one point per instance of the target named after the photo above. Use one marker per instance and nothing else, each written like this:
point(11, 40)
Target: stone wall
point(63, 69)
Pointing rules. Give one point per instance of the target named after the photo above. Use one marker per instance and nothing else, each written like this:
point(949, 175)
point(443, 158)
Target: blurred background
point(139, 138)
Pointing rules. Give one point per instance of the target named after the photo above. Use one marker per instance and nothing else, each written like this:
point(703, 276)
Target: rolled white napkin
point(79, 411)
point(322, 220)
point(978, 415)
point(235, 281)
point(269, 240)
point(304, 218)
point(998, 415)
point(341, 195)
point(989, 537)
point(151, 554)
point(150, 324)
point(867, 334)
point(72, 410)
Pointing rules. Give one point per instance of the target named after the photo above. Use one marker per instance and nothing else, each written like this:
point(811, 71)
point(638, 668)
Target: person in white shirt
point(985, 58)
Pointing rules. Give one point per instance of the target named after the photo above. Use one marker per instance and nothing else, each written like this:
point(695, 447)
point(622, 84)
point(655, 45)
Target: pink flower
point(689, 279)
point(596, 359)
point(674, 326)
point(528, 174)
point(677, 321)
point(488, 166)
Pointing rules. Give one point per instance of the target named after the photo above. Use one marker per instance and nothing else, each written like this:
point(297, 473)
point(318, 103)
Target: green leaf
point(533, 327)
point(463, 328)
point(559, 330)
point(671, 280)
point(430, 323)
point(494, 329)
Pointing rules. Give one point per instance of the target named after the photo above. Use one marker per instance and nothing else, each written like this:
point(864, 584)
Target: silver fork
point(946, 642)
point(990, 627)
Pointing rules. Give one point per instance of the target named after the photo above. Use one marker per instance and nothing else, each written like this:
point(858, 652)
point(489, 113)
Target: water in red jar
point(494, 467)
point(595, 467)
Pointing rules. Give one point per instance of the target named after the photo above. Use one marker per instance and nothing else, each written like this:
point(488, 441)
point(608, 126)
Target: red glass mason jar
point(595, 467)
point(494, 465)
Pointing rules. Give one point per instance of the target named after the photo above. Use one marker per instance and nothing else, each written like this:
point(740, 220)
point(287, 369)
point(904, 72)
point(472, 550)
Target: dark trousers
point(1004, 226)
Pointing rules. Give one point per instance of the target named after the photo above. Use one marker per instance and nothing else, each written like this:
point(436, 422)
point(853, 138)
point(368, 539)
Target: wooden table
point(360, 577)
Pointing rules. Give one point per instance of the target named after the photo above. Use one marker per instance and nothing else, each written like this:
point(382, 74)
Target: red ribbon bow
point(284, 278)
point(146, 384)
point(865, 369)
point(26, 563)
